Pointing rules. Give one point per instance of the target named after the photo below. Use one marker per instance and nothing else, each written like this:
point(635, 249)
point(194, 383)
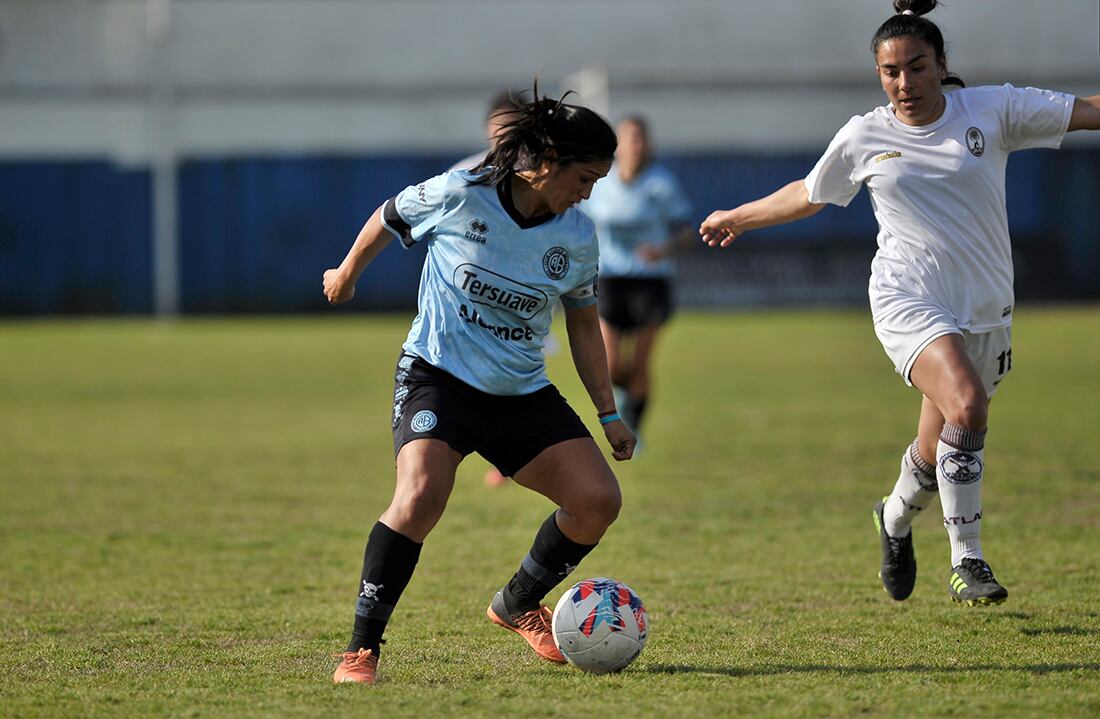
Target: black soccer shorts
point(507, 430)
point(630, 303)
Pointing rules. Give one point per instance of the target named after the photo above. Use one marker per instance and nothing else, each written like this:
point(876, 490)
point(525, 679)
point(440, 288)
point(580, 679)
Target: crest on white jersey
point(975, 142)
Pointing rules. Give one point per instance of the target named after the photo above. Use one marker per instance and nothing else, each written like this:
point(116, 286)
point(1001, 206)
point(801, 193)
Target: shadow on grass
point(843, 671)
point(1072, 631)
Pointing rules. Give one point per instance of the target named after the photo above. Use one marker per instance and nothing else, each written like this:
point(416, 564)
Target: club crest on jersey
point(477, 231)
point(423, 420)
point(975, 142)
point(555, 263)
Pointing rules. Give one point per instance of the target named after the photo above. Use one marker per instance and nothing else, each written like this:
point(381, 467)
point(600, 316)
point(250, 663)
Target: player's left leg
point(948, 377)
point(574, 475)
point(914, 490)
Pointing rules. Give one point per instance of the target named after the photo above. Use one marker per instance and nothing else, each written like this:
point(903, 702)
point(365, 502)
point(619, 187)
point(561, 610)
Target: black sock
point(552, 557)
point(637, 409)
point(388, 564)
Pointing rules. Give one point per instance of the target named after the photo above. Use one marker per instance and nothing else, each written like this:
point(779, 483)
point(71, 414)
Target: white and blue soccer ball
point(600, 625)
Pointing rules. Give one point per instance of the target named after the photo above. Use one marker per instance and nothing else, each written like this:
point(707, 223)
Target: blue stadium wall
point(256, 233)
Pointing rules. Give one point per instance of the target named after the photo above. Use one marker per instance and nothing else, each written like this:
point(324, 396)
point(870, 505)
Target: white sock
point(959, 466)
point(915, 489)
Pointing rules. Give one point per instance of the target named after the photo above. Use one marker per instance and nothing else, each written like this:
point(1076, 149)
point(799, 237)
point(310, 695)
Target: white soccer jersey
point(490, 280)
point(938, 193)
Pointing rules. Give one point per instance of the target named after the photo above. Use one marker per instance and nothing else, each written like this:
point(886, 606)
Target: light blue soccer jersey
point(627, 216)
point(490, 279)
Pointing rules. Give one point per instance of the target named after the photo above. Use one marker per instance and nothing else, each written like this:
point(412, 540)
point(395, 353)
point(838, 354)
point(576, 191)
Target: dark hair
point(902, 25)
point(546, 129)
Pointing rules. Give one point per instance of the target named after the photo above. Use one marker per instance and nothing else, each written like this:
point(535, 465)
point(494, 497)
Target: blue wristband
point(608, 419)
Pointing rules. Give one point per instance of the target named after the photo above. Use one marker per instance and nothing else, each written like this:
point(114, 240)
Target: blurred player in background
point(504, 242)
point(642, 218)
point(497, 115)
point(941, 282)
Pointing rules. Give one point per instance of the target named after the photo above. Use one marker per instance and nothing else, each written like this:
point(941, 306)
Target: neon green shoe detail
point(972, 583)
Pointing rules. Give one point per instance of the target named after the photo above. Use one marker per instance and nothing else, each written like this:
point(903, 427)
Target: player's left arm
point(590, 359)
point(1086, 114)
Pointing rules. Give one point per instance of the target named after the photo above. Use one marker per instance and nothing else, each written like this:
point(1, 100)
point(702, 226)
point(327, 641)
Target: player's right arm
point(340, 282)
point(787, 204)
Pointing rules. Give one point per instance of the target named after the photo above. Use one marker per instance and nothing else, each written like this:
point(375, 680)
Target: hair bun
point(914, 7)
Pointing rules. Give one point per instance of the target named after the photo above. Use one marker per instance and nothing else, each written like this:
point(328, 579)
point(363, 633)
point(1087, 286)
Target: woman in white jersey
point(642, 218)
point(941, 281)
point(504, 243)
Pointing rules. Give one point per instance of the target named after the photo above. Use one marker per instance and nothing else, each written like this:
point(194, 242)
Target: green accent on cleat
point(972, 583)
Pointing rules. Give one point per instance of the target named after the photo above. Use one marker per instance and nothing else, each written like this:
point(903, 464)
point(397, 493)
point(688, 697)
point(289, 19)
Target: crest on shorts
point(555, 263)
point(975, 142)
point(423, 420)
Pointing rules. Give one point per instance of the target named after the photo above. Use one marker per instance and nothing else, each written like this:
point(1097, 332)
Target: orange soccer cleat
point(360, 666)
point(533, 626)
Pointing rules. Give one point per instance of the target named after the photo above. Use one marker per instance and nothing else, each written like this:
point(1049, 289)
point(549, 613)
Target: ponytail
point(545, 130)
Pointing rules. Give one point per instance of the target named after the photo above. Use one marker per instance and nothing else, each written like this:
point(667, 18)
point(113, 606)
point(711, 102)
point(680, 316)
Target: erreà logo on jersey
point(486, 287)
point(477, 231)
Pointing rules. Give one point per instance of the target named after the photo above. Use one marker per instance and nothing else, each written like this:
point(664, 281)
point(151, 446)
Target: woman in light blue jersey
point(642, 218)
point(504, 244)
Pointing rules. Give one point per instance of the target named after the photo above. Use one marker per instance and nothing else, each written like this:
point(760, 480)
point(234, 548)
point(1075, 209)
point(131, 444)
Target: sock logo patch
point(961, 467)
point(368, 605)
point(370, 591)
point(925, 482)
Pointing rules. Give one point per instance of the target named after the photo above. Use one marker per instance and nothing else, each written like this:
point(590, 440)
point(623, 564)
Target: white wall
point(248, 76)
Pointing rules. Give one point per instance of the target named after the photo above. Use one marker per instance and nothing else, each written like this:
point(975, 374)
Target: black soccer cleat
point(899, 563)
point(972, 583)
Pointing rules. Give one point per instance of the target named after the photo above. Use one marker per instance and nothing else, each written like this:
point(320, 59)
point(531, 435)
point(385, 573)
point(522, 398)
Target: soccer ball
point(600, 625)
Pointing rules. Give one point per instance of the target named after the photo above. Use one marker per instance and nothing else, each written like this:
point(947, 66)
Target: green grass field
point(183, 508)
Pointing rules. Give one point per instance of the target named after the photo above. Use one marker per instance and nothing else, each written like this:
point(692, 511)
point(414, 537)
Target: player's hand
point(337, 287)
point(621, 439)
point(720, 228)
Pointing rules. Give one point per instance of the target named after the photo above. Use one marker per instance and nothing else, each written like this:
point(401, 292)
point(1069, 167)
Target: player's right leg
point(914, 490)
point(425, 477)
point(428, 434)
